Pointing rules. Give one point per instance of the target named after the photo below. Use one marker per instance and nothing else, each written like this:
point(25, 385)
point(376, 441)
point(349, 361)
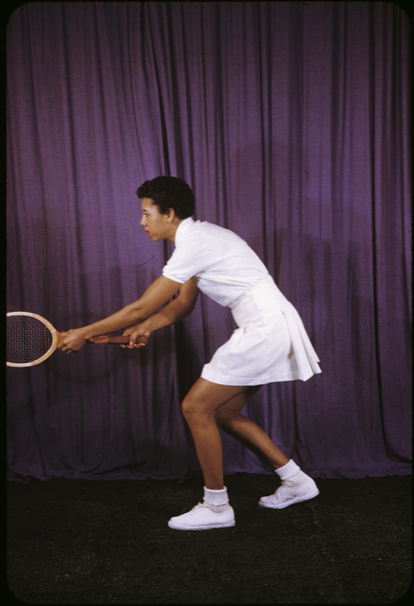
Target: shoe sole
point(310, 495)
point(209, 527)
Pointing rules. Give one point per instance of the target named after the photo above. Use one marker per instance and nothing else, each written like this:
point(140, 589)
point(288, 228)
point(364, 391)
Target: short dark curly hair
point(169, 192)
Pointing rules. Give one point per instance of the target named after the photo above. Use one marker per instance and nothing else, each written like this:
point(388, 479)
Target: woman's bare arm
point(153, 298)
point(175, 311)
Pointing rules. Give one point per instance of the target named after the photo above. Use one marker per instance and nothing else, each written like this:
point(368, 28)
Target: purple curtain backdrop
point(291, 123)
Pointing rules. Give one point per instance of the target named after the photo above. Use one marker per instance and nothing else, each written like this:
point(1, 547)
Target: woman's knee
point(187, 407)
point(192, 408)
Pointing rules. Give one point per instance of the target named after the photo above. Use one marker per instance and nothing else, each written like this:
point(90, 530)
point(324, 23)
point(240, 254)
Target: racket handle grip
point(116, 340)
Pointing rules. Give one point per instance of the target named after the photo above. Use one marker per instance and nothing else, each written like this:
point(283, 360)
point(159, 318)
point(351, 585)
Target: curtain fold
point(291, 123)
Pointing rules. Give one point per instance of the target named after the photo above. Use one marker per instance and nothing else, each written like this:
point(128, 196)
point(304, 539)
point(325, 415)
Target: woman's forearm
point(128, 315)
point(154, 297)
point(173, 312)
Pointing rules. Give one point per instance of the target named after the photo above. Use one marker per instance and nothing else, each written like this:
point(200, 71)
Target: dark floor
point(107, 542)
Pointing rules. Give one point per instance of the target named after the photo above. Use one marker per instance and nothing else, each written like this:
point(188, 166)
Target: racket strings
point(28, 339)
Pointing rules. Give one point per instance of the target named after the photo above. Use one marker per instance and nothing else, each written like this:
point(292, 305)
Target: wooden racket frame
point(58, 337)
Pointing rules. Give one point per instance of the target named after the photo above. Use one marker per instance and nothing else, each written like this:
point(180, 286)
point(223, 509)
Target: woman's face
point(157, 225)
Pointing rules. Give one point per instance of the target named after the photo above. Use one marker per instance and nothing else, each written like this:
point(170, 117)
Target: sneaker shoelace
point(197, 508)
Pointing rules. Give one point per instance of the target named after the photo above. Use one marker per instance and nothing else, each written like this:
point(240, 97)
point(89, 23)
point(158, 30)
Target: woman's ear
point(170, 215)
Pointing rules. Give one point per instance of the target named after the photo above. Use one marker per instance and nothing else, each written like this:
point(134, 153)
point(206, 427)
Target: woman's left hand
point(133, 333)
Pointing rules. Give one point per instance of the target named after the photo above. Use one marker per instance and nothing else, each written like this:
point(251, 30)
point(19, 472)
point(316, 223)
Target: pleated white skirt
point(269, 345)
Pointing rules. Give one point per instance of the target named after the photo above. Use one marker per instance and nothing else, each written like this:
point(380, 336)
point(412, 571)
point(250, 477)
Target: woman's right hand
point(73, 341)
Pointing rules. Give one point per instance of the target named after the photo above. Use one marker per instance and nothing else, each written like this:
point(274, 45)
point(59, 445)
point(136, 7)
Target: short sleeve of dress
point(188, 260)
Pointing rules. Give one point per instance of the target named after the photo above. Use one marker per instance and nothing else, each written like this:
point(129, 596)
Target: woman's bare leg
point(198, 408)
point(243, 429)
point(208, 405)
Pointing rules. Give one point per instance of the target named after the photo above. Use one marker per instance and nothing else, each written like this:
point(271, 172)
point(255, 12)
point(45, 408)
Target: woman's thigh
point(206, 397)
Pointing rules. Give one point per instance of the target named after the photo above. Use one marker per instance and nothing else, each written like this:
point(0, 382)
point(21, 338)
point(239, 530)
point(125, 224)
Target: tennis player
point(269, 345)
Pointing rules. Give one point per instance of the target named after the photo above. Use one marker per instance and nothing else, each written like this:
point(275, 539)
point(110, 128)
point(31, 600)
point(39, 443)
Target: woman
point(270, 343)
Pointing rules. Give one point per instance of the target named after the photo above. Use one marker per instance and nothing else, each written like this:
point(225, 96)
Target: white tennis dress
point(270, 343)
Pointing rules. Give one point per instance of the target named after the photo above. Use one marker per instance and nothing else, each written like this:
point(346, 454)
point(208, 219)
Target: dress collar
point(182, 229)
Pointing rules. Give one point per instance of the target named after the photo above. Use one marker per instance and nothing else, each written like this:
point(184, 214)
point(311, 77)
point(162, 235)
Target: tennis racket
point(31, 339)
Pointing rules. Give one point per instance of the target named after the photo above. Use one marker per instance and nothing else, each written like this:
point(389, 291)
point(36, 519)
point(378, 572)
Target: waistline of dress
point(265, 284)
point(260, 304)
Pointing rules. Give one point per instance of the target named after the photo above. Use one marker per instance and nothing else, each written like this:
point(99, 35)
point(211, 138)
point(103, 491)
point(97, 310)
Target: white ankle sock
point(288, 470)
point(217, 500)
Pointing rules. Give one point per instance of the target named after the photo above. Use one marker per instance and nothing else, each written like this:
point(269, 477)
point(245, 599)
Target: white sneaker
point(202, 518)
point(291, 492)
